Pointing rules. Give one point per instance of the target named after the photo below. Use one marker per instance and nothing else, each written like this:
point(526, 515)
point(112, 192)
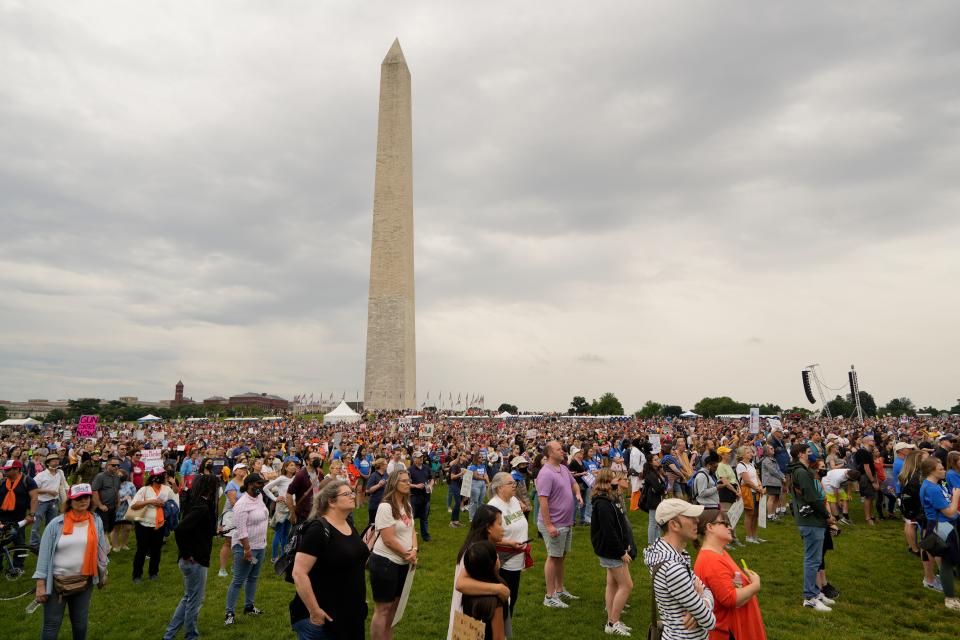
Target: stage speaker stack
point(806, 386)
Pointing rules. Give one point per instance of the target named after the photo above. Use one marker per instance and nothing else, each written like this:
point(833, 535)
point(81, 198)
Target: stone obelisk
point(390, 381)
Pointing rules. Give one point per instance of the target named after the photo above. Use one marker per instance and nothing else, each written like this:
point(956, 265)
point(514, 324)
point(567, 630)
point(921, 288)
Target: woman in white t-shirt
point(750, 491)
point(512, 548)
point(393, 554)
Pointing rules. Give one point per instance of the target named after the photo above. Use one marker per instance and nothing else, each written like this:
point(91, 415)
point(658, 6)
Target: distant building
point(267, 402)
point(215, 400)
point(178, 398)
point(36, 407)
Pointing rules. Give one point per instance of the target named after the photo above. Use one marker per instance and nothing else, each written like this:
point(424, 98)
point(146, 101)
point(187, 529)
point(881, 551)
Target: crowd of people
point(521, 482)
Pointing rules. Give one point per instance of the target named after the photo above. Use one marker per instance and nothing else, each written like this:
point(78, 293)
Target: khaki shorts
point(560, 546)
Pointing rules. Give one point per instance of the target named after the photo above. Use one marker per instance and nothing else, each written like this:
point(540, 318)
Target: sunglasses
point(723, 520)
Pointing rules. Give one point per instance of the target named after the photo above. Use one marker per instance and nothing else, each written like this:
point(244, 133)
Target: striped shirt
point(673, 587)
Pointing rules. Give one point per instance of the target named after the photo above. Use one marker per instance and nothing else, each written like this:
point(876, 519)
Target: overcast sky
point(664, 200)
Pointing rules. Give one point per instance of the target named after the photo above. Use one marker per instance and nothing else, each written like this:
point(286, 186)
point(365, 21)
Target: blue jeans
point(455, 513)
point(653, 529)
point(281, 533)
point(812, 555)
point(244, 573)
point(477, 491)
point(306, 630)
point(53, 610)
point(46, 511)
point(586, 511)
point(187, 612)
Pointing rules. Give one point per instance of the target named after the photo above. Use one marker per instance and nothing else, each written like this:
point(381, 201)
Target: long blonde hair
point(396, 501)
point(911, 464)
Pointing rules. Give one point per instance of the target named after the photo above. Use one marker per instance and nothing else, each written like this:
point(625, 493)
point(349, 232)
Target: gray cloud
point(187, 193)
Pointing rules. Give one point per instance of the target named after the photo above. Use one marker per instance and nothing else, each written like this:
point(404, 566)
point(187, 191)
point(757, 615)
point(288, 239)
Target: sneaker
point(615, 629)
point(623, 626)
point(154, 577)
point(816, 605)
point(830, 591)
point(222, 573)
point(137, 580)
point(822, 597)
point(567, 595)
point(759, 540)
point(228, 620)
point(739, 543)
point(951, 603)
point(844, 521)
point(554, 603)
point(252, 611)
point(426, 538)
point(753, 540)
point(935, 585)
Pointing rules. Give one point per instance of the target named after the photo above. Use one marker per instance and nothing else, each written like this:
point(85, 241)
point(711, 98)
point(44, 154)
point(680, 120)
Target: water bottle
point(33, 606)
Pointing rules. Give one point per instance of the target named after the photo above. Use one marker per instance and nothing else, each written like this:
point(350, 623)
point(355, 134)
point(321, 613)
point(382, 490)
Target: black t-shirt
point(455, 468)
point(338, 581)
point(575, 468)
point(419, 475)
point(863, 457)
point(22, 495)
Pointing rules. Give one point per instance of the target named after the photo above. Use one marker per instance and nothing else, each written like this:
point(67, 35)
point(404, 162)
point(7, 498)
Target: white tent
point(23, 422)
point(689, 414)
point(343, 413)
point(150, 418)
point(506, 414)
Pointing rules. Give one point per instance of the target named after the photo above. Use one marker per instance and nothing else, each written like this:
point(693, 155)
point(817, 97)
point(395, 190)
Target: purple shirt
point(556, 485)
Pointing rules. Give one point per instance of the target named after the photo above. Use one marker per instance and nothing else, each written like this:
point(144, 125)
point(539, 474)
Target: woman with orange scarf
point(148, 507)
point(72, 558)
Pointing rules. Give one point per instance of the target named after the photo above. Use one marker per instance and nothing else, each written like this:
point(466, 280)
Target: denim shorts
point(611, 563)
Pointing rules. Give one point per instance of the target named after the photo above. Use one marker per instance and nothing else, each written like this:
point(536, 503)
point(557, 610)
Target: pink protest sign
point(87, 427)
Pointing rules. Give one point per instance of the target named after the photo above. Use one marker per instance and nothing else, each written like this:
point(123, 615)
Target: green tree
point(801, 410)
point(770, 409)
point(900, 407)
point(671, 411)
point(82, 407)
point(955, 408)
point(650, 410)
point(840, 407)
point(579, 406)
point(931, 410)
point(712, 407)
point(509, 408)
point(3, 413)
point(607, 405)
point(56, 416)
point(867, 403)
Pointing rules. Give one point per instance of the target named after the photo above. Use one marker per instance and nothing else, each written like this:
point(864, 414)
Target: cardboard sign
point(774, 424)
point(427, 430)
point(754, 420)
point(466, 628)
point(87, 427)
point(654, 439)
point(158, 436)
point(531, 434)
point(139, 435)
point(151, 459)
point(467, 483)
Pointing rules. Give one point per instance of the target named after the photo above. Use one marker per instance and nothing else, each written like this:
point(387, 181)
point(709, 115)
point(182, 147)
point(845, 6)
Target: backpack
point(910, 504)
point(692, 484)
point(284, 564)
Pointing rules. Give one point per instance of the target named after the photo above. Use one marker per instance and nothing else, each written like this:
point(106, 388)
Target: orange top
point(720, 573)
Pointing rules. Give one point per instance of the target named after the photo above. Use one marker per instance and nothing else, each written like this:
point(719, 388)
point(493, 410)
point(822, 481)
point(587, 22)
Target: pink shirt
point(251, 517)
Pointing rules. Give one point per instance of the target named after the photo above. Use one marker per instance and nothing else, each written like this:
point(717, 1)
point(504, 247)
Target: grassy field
point(880, 584)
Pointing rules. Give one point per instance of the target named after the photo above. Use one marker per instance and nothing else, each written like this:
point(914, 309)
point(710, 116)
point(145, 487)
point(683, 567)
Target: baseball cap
point(517, 461)
point(77, 490)
point(948, 436)
point(724, 449)
point(673, 507)
point(12, 464)
point(900, 446)
point(253, 478)
point(240, 466)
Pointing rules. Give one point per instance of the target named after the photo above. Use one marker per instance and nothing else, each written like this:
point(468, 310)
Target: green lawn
point(880, 584)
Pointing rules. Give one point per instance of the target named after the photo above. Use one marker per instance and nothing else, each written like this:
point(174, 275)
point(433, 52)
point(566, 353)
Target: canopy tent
point(150, 418)
point(343, 413)
point(19, 422)
point(505, 415)
point(689, 414)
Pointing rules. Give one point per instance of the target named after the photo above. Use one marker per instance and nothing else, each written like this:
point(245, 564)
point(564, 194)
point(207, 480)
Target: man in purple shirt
point(556, 490)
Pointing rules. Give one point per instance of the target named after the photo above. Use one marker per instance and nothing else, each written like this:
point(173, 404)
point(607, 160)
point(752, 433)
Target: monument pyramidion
point(390, 380)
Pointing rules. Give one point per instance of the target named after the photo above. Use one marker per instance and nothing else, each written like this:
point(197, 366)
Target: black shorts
point(386, 578)
point(773, 491)
point(867, 492)
point(109, 518)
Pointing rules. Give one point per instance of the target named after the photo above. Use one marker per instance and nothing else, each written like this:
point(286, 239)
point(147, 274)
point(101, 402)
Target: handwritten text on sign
point(87, 427)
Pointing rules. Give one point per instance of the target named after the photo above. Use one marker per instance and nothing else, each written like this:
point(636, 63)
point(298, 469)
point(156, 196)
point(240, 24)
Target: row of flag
point(463, 399)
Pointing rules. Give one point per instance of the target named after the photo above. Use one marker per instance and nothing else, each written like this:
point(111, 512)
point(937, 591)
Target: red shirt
point(137, 474)
point(878, 469)
point(718, 572)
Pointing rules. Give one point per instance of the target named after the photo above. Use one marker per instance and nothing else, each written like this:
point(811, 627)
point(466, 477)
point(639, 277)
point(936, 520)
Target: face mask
point(256, 491)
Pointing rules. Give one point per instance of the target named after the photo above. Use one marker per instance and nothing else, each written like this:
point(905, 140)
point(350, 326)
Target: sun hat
point(673, 507)
point(517, 461)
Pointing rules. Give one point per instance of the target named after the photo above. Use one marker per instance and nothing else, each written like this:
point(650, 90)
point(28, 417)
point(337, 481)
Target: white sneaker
point(816, 605)
point(222, 573)
point(753, 541)
point(951, 603)
point(554, 603)
point(567, 595)
point(615, 629)
point(623, 626)
point(825, 600)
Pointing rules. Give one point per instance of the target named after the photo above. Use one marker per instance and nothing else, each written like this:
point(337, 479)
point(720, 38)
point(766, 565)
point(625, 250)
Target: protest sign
point(466, 628)
point(466, 483)
point(151, 459)
point(531, 434)
point(404, 596)
point(654, 439)
point(774, 424)
point(754, 420)
point(427, 430)
point(87, 427)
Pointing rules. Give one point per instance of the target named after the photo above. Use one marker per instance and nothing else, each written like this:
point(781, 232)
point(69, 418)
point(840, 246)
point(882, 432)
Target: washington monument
point(391, 370)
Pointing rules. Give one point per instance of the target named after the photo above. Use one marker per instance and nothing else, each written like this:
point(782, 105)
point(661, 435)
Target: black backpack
point(910, 505)
point(284, 564)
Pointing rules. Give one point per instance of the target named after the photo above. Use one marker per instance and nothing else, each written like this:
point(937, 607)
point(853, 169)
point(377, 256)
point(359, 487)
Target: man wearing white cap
point(684, 603)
